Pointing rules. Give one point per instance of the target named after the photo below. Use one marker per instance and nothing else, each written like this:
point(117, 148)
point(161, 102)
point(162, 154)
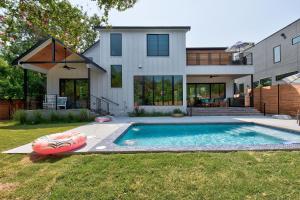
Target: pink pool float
point(58, 143)
point(103, 119)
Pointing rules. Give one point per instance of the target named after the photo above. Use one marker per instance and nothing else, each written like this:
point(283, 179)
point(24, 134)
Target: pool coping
point(107, 145)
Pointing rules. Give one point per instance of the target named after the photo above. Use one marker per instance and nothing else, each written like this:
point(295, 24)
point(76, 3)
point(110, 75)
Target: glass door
point(76, 90)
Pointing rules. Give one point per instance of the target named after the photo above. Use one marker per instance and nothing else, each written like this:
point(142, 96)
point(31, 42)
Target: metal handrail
point(110, 101)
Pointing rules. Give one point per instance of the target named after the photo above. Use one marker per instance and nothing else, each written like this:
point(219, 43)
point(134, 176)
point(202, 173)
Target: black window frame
point(274, 54)
point(111, 52)
point(293, 43)
point(111, 77)
point(147, 46)
point(210, 88)
point(142, 99)
point(282, 76)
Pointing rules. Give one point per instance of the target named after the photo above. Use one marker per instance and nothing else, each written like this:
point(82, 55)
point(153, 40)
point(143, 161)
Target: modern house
point(274, 58)
point(132, 66)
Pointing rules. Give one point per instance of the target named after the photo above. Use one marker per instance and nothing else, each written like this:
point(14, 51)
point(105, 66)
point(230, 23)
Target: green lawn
point(237, 175)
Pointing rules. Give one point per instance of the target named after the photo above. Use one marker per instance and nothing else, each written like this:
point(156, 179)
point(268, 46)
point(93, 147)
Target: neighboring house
point(130, 66)
point(274, 58)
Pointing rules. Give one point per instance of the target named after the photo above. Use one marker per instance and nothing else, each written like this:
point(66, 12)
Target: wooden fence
point(278, 99)
point(8, 107)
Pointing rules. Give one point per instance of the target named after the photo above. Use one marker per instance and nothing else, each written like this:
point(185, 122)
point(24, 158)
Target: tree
point(24, 22)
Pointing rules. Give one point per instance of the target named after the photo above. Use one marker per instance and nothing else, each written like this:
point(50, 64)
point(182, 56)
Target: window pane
point(222, 91)
point(178, 90)
point(277, 54)
point(266, 81)
point(158, 91)
point(203, 91)
point(163, 45)
point(215, 91)
point(241, 88)
point(116, 44)
point(116, 76)
point(148, 90)
point(152, 45)
point(138, 90)
point(167, 90)
point(191, 88)
point(157, 45)
point(296, 40)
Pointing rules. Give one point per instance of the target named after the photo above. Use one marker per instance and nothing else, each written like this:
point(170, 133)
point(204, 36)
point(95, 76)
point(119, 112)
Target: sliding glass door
point(208, 91)
point(76, 90)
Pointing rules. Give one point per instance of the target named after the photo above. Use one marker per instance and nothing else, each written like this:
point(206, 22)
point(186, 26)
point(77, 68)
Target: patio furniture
point(53, 102)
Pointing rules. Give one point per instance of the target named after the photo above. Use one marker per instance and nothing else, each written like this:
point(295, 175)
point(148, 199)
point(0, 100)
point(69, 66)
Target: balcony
point(222, 58)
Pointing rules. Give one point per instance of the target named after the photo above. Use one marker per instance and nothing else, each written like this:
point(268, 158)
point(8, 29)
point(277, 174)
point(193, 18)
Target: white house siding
point(263, 55)
point(134, 56)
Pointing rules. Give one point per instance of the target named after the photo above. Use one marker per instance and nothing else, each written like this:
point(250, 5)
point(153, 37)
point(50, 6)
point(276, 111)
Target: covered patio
point(68, 75)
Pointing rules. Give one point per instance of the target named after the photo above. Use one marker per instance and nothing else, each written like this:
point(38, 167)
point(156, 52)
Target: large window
point(116, 44)
point(266, 81)
point(296, 40)
point(158, 90)
point(241, 88)
point(197, 91)
point(277, 54)
point(158, 45)
point(116, 76)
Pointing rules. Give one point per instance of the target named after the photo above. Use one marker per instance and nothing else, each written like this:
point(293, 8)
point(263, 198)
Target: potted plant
point(177, 113)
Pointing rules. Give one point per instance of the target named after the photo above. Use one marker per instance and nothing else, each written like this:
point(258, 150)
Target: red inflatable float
point(103, 119)
point(58, 143)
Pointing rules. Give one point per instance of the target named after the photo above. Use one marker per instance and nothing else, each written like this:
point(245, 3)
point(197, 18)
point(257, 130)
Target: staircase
point(224, 111)
point(101, 105)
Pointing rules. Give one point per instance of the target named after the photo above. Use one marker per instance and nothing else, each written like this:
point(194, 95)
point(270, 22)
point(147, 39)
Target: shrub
point(83, 116)
point(70, 117)
point(54, 117)
point(37, 117)
point(177, 111)
point(20, 116)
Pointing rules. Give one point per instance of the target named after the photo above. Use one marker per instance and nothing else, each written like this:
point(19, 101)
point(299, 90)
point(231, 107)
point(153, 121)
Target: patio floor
point(97, 133)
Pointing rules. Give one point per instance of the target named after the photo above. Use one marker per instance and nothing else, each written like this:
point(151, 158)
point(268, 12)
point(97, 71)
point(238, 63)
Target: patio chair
point(62, 102)
point(49, 101)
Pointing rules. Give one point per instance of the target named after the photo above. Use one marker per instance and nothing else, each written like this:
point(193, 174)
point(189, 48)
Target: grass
point(236, 175)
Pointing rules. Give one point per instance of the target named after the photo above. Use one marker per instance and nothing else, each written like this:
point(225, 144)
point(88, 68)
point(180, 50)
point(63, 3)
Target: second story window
point(116, 44)
point(296, 40)
point(157, 44)
point(277, 54)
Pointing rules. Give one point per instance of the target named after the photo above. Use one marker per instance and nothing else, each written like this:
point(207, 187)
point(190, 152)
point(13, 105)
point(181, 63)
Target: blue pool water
point(196, 135)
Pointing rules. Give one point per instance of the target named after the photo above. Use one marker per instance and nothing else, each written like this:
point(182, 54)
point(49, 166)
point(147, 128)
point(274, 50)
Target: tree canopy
point(24, 22)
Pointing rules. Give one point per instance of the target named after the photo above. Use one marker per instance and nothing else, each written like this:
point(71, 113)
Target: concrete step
point(226, 111)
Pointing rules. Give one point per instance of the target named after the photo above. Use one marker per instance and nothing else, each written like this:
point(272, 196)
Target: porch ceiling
point(48, 53)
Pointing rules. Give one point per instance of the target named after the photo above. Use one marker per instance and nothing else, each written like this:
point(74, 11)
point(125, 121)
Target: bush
point(20, 116)
point(84, 116)
point(177, 111)
point(37, 117)
point(143, 113)
point(54, 117)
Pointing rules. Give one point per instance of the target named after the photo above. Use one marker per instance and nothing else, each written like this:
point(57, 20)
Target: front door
point(76, 90)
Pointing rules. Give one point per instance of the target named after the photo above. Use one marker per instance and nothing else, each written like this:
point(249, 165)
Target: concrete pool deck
point(100, 136)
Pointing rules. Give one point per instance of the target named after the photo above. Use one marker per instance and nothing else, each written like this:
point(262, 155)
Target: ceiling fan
point(65, 65)
point(212, 76)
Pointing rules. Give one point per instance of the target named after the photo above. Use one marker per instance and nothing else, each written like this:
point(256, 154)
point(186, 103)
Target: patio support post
point(252, 93)
point(25, 88)
point(89, 87)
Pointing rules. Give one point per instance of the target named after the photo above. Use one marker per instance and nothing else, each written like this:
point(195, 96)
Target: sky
point(214, 23)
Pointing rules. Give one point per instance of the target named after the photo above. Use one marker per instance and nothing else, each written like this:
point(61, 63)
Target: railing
point(236, 102)
point(101, 105)
point(213, 59)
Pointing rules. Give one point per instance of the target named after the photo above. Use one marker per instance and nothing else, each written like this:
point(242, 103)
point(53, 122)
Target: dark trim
point(277, 31)
point(158, 45)
point(15, 61)
point(252, 92)
point(53, 50)
point(89, 89)
point(206, 48)
point(141, 27)
point(90, 47)
point(25, 87)
point(274, 54)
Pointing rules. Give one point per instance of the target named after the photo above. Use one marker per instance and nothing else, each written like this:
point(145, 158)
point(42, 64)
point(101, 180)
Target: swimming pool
point(203, 135)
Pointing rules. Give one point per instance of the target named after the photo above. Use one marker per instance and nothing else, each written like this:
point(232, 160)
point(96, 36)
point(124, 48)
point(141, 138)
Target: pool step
point(230, 111)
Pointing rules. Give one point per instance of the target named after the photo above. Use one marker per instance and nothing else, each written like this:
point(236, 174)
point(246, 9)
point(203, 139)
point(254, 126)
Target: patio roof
point(49, 52)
